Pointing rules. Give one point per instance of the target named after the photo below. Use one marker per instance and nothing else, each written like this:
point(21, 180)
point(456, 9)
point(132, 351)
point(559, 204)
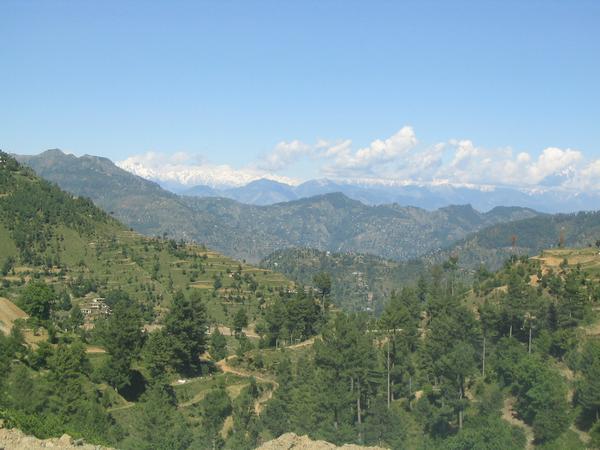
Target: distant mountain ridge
point(332, 221)
point(268, 192)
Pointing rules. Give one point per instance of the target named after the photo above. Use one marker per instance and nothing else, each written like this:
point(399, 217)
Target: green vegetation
point(357, 282)
point(92, 290)
point(494, 244)
point(146, 343)
point(454, 367)
point(327, 222)
point(362, 282)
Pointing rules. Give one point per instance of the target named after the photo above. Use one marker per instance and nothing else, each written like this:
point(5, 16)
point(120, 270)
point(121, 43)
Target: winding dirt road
point(265, 396)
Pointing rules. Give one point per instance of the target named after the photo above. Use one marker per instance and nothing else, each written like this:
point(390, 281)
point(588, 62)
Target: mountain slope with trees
point(442, 366)
point(446, 365)
point(492, 245)
point(362, 281)
point(359, 282)
point(113, 318)
point(330, 222)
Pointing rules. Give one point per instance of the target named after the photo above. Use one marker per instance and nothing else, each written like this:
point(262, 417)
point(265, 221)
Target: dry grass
point(587, 258)
point(9, 312)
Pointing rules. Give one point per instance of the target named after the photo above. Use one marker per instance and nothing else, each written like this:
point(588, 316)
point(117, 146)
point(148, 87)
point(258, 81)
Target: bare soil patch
point(9, 312)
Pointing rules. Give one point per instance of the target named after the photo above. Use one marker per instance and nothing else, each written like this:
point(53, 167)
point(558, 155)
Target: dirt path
point(510, 416)
point(233, 390)
point(265, 396)
point(306, 343)
point(225, 367)
point(94, 349)
point(583, 436)
point(226, 331)
point(125, 406)
point(260, 401)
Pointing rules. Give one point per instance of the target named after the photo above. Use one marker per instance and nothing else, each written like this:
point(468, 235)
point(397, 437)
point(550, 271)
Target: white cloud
point(338, 159)
point(587, 179)
point(367, 159)
point(284, 154)
point(465, 153)
point(552, 161)
point(397, 159)
point(187, 170)
point(470, 164)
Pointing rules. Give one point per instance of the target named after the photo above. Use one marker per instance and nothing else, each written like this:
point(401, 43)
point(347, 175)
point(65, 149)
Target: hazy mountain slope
point(336, 223)
point(361, 281)
point(328, 222)
point(262, 192)
point(430, 197)
point(201, 191)
point(139, 203)
point(492, 245)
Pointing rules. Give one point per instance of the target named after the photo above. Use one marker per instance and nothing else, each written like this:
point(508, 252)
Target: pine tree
point(121, 335)
point(159, 424)
point(218, 345)
point(186, 323)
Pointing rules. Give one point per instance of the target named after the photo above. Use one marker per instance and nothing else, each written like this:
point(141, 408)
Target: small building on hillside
point(94, 308)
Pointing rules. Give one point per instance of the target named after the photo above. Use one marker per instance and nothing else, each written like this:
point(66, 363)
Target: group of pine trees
point(442, 362)
point(435, 370)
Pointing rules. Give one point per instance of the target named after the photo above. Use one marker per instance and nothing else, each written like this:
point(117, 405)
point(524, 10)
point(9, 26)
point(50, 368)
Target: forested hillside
point(510, 362)
point(93, 315)
point(359, 282)
point(330, 222)
point(145, 343)
point(492, 245)
point(362, 281)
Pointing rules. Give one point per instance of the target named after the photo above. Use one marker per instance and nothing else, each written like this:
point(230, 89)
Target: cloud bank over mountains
point(185, 169)
point(399, 159)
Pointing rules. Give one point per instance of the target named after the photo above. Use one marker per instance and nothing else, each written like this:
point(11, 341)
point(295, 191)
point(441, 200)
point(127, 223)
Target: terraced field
point(151, 270)
point(587, 258)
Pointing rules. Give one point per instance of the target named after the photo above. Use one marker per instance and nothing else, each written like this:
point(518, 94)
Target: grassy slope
point(102, 257)
point(587, 258)
point(7, 246)
point(150, 270)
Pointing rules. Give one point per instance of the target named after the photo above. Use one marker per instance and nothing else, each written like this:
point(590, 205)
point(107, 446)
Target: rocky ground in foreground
point(13, 439)
point(291, 441)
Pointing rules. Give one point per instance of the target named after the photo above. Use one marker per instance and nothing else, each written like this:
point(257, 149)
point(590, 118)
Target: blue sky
point(224, 85)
